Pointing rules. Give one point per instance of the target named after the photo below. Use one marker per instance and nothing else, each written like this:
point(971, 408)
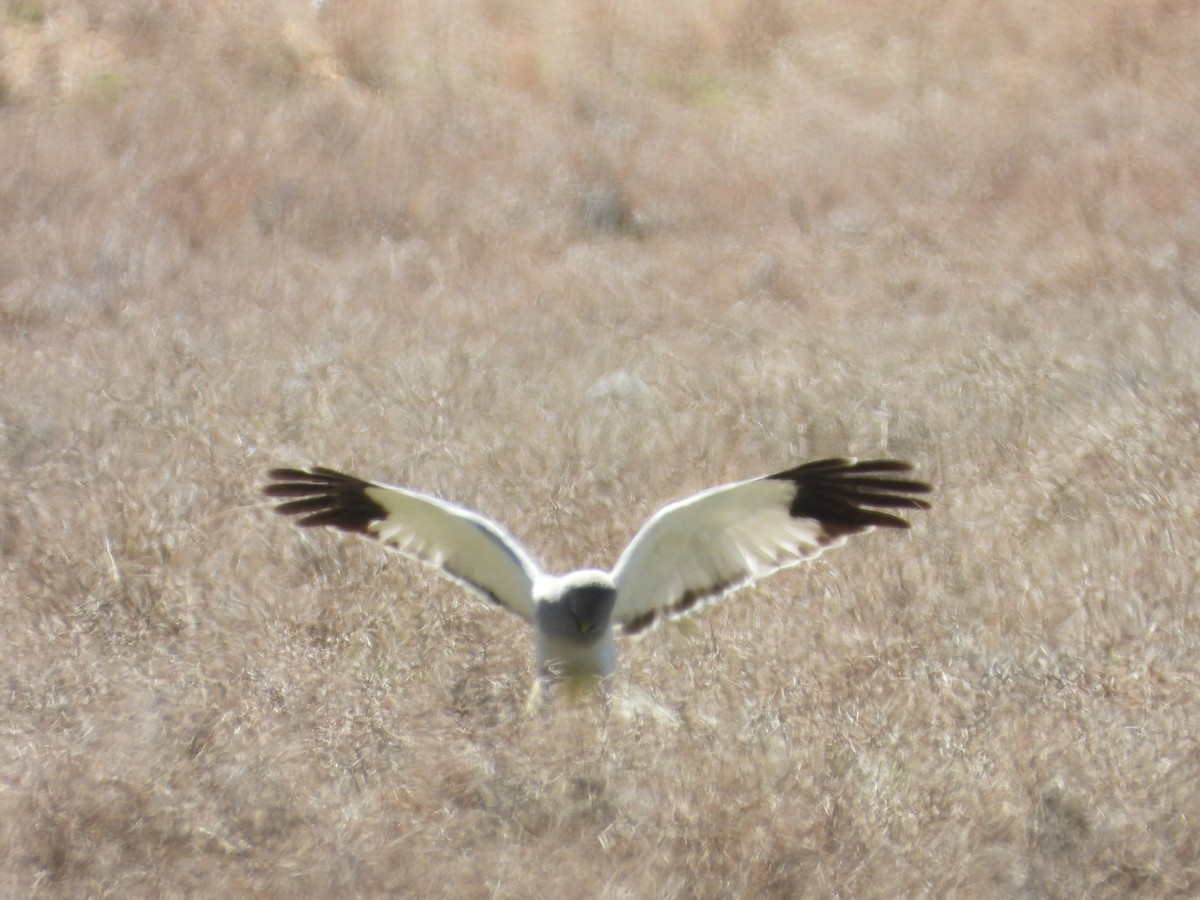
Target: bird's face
point(578, 609)
point(590, 607)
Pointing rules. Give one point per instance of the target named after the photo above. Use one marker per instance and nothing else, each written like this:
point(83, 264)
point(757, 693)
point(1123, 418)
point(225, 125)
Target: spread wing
point(465, 546)
point(707, 546)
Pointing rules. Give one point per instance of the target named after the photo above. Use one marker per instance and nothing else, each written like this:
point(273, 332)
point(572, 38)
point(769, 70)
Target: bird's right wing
point(469, 548)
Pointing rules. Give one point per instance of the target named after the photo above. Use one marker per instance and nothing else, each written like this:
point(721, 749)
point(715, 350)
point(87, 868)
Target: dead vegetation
point(564, 262)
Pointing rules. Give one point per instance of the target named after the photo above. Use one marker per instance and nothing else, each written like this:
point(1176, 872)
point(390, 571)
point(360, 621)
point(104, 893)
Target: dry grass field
point(564, 262)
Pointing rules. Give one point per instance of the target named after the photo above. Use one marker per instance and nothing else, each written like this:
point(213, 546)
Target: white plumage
point(690, 552)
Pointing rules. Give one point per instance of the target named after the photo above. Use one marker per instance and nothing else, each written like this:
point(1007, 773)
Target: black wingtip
point(847, 496)
point(324, 497)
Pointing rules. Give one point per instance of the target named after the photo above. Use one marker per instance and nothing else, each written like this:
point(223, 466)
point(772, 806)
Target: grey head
point(578, 609)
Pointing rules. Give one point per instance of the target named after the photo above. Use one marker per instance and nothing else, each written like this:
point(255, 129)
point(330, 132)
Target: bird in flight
point(689, 553)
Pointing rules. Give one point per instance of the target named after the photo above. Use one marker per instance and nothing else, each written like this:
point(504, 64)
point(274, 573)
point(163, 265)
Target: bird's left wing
point(706, 546)
point(466, 546)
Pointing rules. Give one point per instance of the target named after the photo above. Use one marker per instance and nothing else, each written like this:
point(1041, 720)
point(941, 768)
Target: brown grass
point(410, 240)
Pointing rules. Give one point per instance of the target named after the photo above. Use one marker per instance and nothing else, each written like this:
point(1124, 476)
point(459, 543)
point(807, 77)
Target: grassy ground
point(565, 262)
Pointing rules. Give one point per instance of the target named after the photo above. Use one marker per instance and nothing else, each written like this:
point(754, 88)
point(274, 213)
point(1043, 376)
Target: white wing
point(465, 546)
point(707, 546)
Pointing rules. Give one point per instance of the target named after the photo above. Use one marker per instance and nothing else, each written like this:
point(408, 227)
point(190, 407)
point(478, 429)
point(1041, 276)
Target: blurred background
point(565, 261)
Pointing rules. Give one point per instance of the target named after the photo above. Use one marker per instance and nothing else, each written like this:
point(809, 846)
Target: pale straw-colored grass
point(564, 262)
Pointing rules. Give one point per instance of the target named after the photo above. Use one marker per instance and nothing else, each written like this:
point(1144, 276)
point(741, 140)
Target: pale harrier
point(690, 552)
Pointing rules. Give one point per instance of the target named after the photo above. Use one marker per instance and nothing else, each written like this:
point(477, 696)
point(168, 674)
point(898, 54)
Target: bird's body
point(573, 629)
point(689, 553)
